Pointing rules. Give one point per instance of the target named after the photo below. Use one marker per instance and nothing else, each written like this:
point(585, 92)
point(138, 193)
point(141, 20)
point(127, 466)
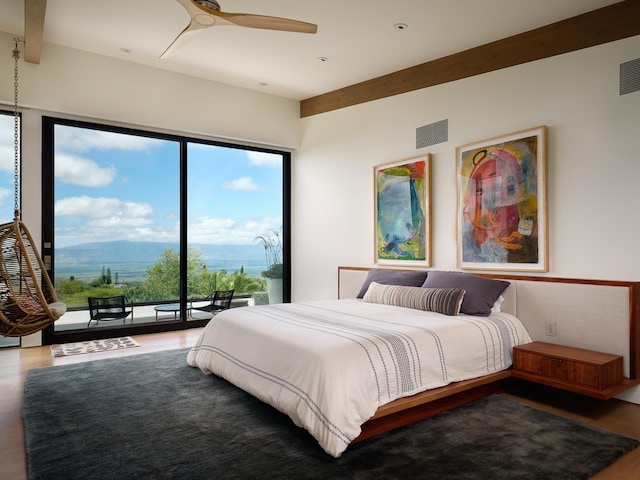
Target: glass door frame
point(50, 335)
point(12, 342)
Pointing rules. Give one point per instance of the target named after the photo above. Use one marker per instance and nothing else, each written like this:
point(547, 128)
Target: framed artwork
point(402, 212)
point(502, 203)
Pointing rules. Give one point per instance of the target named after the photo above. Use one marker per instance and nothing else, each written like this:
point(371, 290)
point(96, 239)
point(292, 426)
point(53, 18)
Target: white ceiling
point(356, 36)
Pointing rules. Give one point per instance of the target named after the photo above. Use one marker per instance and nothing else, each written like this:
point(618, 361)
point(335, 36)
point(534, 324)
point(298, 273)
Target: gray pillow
point(442, 300)
point(407, 278)
point(481, 293)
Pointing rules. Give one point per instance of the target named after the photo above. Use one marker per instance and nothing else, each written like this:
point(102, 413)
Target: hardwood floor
point(613, 415)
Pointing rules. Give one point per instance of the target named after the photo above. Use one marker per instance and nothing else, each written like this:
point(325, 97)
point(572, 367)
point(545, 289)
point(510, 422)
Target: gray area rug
point(152, 416)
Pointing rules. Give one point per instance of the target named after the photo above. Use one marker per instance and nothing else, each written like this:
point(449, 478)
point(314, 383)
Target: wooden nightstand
point(587, 372)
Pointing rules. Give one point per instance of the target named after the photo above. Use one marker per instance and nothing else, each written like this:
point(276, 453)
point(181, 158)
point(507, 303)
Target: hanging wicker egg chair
point(28, 301)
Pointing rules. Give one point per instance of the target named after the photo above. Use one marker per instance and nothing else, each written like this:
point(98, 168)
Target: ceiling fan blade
point(266, 22)
point(203, 16)
point(190, 31)
point(197, 9)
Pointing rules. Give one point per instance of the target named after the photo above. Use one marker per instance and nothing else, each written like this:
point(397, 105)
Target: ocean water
point(136, 272)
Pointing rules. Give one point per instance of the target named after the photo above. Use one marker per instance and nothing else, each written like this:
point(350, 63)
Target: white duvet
point(329, 365)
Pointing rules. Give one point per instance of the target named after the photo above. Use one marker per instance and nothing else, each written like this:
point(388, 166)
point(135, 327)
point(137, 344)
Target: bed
point(601, 315)
point(333, 366)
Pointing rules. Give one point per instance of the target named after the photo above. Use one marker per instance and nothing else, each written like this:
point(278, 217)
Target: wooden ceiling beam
point(604, 25)
point(34, 11)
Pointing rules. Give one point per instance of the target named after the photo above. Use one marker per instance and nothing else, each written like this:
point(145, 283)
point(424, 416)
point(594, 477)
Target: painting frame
point(402, 212)
point(502, 203)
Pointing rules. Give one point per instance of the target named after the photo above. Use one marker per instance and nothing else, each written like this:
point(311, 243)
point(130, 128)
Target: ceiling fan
point(207, 13)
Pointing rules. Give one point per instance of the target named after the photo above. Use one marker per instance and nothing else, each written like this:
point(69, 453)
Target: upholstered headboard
point(592, 314)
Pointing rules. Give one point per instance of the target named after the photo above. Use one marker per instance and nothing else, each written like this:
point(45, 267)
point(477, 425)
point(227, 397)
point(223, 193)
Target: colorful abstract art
point(502, 221)
point(402, 212)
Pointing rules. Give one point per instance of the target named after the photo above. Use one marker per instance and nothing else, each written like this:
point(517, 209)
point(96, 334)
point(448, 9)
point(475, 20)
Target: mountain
point(125, 251)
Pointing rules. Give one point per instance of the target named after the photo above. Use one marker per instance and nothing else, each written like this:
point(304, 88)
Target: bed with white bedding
point(329, 365)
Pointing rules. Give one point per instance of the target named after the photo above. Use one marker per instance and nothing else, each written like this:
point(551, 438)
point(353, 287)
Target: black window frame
point(12, 342)
point(50, 336)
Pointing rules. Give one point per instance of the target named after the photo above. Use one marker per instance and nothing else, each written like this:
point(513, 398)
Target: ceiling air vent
point(630, 76)
point(432, 134)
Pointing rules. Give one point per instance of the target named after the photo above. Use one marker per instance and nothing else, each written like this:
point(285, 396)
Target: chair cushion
point(58, 309)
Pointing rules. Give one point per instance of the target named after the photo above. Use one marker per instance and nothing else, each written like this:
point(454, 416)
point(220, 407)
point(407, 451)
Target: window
point(7, 165)
point(7, 155)
point(163, 220)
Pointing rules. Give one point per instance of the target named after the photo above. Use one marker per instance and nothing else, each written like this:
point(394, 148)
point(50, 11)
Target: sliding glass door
point(162, 221)
point(7, 155)
point(234, 197)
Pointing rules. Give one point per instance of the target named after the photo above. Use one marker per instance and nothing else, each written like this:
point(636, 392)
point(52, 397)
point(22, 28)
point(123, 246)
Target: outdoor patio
point(141, 314)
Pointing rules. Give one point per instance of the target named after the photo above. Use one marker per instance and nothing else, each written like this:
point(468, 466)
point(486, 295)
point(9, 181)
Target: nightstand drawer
point(559, 368)
point(575, 369)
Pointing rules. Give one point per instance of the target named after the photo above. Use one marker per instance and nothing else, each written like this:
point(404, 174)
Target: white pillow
point(497, 306)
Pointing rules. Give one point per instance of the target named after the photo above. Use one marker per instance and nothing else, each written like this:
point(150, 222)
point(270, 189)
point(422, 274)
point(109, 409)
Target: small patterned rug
point(65, 349)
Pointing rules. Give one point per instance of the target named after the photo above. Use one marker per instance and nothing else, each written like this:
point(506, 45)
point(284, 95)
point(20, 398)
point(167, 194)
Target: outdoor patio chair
point(109, 308)
point(218, 301)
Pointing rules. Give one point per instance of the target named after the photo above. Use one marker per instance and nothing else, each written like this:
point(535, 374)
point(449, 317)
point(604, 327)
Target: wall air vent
point(432, 134)
point(630, 76)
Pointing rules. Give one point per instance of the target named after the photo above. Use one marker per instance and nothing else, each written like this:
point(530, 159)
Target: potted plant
point(260, 298)
point(273, 255)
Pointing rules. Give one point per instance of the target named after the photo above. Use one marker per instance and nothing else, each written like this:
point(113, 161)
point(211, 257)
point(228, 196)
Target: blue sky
point(111, 186)
point(6, 168)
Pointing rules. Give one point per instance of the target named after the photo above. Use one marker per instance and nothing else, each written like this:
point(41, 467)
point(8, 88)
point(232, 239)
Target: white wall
point(73, 84)
point(101, 88)
point(593, 165)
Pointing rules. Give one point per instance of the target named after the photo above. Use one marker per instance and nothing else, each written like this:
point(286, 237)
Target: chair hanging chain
point(16, 131)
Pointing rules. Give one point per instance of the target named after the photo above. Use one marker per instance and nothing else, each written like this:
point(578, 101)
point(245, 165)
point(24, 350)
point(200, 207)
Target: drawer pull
point(553, 359)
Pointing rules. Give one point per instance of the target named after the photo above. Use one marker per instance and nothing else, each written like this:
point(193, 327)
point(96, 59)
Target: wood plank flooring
point(613, 415)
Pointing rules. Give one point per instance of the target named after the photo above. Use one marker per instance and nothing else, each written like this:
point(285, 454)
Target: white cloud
point(264, 225)
point(82, 140)
point(263, 159)
point(212, 230)
point(110, 219)
point(5, 195)
point(118, 221)
point(155, 233)
point(6, 143)
point(96, 219)
point(89, 233)
point(6, 158)
point(228, 231)
point(106, 210)
point(84, 172)
point(243, 184)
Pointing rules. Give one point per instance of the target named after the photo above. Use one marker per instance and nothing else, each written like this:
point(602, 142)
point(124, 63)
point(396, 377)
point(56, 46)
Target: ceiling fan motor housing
point(211, 4)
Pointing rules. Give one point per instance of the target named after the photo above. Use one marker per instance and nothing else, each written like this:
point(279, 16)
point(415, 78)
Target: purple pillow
point(481, 293)
point(405, 278)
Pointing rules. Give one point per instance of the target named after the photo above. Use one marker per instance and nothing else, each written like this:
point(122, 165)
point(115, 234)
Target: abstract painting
point(502, 206)
point(402, 212)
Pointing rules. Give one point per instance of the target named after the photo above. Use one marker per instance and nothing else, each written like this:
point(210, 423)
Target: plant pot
point(274, 290)
point(260, 298)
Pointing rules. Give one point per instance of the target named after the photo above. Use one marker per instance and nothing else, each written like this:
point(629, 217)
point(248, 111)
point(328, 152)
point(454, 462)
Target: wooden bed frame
point(580, 305)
